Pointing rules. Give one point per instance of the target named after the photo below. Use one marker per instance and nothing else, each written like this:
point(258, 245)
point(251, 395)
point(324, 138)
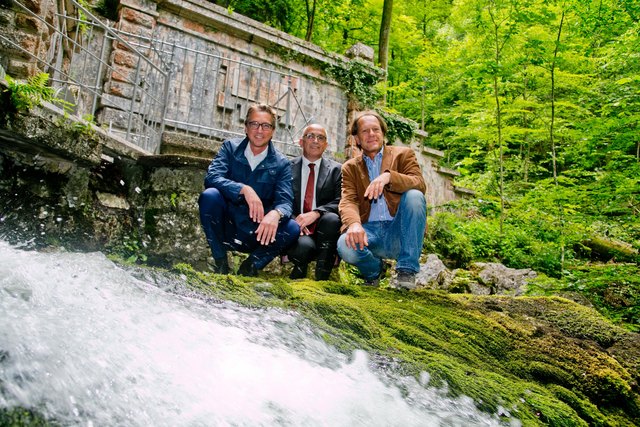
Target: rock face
point(481, 279)
point(81, 191)
point(361, 51)
point(503, 280)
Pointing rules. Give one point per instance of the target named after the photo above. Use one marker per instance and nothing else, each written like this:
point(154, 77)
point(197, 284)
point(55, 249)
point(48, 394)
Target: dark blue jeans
point(223, 235)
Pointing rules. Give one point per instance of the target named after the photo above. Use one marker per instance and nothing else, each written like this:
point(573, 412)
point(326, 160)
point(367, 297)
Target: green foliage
point(529, 239)
point(359, 79)
point(131, 250)
point(32, 93)
point(15, 417)
point(538, 239)
point(86, 126)
point(280, 14)
point(614, 289)
point(445, 237)
point(398, 127)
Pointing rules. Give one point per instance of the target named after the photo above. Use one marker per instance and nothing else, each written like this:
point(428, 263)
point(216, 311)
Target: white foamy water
point(86, 343)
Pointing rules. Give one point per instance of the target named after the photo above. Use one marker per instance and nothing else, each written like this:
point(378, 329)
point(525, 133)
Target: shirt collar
point(376, 158)
point(254, 160)
point(305, 161)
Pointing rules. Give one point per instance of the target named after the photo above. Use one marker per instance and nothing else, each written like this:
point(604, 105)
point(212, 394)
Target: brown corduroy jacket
point(406, 175)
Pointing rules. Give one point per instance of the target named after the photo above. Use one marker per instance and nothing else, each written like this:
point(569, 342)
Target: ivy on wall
point(398, 127)
point(359, 79)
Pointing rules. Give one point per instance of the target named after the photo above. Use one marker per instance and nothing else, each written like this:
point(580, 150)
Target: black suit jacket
point(328, 188)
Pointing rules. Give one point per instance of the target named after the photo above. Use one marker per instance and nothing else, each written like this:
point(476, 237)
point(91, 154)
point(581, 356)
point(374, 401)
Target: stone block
point(194, 26)
point(135, 29)
point(34, 6)
point(122, 74)
point(29, 23)
point(138, 18)
point(141, 5)
point(21, 69)
point(7, 19)
point(125, 59)
point(360, 50)
point(124, 90)
point(113, 117)
point(28, 42)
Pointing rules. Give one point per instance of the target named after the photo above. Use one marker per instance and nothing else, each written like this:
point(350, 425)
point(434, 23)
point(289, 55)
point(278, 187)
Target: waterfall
point(86, 343)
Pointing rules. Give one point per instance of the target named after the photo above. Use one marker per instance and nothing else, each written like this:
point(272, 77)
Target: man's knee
point(302, 250)
point(348, 255)
point(330, 219)
point(289, 232)
point(414, 199)
point(329, 226)
point(209, 198)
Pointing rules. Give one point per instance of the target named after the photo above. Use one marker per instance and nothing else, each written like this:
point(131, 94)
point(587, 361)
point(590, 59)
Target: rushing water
point(86, 343)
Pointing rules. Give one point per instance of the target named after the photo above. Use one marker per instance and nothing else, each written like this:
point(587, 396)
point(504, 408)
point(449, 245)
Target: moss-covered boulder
point(543, 360)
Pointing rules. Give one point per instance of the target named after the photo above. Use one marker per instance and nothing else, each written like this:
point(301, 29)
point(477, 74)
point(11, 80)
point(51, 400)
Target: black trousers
point(320, 246)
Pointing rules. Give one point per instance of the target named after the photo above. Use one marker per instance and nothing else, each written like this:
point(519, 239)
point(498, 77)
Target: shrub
point(445, 238)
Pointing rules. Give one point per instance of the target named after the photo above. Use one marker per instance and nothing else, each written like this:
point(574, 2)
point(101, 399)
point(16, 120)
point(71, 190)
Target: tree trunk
point(385, 30)
point(311, 15)
point(553, 101)
point(551, 134)
point(383, 41)
point(496, 95)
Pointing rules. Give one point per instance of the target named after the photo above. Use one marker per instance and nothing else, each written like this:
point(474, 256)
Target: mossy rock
point(542, 360)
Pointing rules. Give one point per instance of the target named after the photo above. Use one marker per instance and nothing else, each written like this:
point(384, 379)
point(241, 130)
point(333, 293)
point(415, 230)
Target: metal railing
point(154, 85)
point(209, 93)
point(78, 63)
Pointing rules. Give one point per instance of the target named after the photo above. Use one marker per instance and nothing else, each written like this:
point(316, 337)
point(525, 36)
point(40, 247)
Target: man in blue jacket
point(248, 199)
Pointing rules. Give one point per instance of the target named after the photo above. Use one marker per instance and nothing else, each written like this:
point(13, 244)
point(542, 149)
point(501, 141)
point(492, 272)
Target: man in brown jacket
point(383, 208)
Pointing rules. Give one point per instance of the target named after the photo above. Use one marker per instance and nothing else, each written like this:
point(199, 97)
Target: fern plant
point(32, 93)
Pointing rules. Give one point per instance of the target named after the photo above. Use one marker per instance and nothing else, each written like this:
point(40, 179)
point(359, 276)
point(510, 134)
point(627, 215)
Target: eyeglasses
point(313, 136)
point(256, 125)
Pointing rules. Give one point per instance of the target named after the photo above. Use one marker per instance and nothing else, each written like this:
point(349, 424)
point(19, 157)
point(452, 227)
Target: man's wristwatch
point(279, 212)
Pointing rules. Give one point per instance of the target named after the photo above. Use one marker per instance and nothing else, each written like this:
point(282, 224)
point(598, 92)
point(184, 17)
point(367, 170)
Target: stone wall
point(245, 62)
point(23, 32)
point(85, 191)
point(440, 180)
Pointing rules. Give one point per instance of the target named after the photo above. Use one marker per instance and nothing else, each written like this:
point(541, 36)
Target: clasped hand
point(305, 220)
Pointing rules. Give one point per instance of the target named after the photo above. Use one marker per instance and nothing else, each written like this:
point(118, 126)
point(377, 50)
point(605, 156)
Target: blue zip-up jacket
point(229, 171)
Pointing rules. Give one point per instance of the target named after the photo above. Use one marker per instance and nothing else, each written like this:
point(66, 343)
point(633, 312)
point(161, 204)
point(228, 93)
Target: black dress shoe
point(323, 269)
point(247, 268)
point(322, 274)
point(221, 265)
point(298, 272)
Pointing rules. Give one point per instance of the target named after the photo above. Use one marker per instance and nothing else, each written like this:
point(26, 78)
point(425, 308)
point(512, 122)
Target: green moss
point(347, 317)
point(586, 410)
point(278, 288)
point(540, 359)
point(14, 417)
point(341, 289)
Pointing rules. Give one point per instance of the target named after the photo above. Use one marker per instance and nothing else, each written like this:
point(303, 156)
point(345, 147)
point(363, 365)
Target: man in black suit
point(317, 184)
